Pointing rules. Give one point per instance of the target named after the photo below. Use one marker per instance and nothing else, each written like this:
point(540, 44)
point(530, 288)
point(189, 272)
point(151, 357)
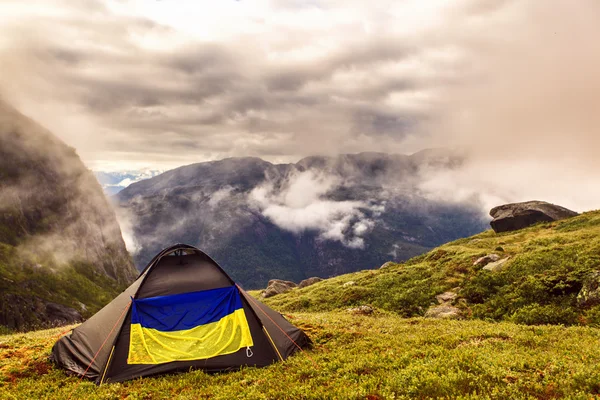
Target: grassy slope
point(374, 357)
point(386, 356)
point(540, 284)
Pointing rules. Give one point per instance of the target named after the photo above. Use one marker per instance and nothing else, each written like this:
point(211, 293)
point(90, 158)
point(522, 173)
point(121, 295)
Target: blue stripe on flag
point(185, 311)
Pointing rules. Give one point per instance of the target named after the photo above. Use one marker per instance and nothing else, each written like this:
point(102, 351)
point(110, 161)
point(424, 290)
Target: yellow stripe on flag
point(226, 336)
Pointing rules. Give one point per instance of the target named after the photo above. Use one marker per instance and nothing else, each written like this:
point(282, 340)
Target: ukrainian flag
point(188, 326)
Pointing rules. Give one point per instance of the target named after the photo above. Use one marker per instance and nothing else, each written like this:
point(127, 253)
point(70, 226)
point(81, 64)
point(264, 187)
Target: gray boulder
point(485, 260)
point(589, 295)
point(515, 216)
point(444, 311)
point(446, 297)
point(277, 286)
point(309, 281)
point(497, 266)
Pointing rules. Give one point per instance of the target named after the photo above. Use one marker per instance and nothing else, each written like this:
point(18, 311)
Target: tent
point(183, 312)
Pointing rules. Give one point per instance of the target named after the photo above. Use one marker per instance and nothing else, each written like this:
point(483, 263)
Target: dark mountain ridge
point(321, 216)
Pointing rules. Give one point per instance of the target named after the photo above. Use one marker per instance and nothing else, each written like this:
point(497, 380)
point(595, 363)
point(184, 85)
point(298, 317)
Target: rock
point(277, 286)
point(361, 310)
point(443, 311)
point(26, 312)
point(446, 297)
point(497, 266)
point(59, 315)
point(387, 264)
point(287, 283)
point(589, 295)
point(515, 216)
point(350, 283)
point(483, 261)
point(309, 281)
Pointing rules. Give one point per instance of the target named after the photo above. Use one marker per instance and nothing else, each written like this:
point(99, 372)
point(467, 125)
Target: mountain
point(322, 216)
point(62, 256)
point(113, 182)
point(546, 274)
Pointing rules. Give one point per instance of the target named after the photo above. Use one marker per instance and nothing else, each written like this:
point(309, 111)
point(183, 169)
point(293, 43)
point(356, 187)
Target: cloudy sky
point(162, 83)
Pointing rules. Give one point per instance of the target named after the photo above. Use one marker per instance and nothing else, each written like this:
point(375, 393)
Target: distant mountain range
point(322, 216)
point(62, 256)
point(113, 182)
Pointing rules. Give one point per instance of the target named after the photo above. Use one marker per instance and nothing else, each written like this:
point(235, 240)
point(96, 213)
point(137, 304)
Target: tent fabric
point(99, 348)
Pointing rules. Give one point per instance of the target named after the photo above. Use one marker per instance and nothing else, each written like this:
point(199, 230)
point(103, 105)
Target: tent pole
point(107, 364)
point(272, 343)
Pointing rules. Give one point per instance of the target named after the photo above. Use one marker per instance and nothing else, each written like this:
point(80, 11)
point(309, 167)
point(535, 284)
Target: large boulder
point(278, 286)
point(515, 216)
point(309, 281)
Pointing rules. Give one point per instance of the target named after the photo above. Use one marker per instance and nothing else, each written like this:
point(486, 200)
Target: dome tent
point(183, 312)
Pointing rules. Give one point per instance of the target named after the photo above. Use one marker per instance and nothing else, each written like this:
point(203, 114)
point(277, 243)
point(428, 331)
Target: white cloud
point(301, 204)
point(219, 196)
point(180, 81)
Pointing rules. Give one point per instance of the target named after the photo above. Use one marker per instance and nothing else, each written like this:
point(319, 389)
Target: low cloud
point(513, 83)
point(220, 195)
point(301, 203)
point(527, 116)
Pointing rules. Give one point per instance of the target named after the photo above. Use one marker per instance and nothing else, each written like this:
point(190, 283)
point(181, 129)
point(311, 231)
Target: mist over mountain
point(321, 216)
point(61, 249)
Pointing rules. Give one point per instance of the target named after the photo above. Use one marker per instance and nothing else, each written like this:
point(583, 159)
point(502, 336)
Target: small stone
point(361, 310)
point(387, 264)
point(350, 283)
point(487, 259)
point(497, 266)
point(446, 297)
point(443, 311)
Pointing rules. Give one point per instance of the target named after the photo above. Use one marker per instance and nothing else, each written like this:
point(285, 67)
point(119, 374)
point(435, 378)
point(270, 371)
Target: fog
point(133, 84)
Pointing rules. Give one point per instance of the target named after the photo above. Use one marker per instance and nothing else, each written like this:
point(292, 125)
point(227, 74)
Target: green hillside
point(539, 284)
point(381, 356)
point(384, 355)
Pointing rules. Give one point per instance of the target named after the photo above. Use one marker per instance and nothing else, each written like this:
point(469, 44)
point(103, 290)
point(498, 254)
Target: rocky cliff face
point(60, 242)
point(322, 216)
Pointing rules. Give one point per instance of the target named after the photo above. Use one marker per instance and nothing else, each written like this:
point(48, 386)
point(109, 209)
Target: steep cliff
point(61, 249)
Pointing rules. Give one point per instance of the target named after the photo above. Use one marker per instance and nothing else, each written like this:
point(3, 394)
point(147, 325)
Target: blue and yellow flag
point(188, 326)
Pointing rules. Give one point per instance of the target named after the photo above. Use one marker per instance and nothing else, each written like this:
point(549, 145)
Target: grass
point(382, 356)
point(498, 350)
point(546, 270)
